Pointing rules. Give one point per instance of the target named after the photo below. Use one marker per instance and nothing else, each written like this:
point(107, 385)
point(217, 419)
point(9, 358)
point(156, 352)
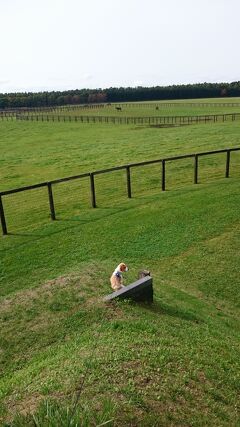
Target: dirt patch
point(26, 406)
point(168, 125)
point(24, 297)
point(114, 311)
point(42, 321)
point(81, 284)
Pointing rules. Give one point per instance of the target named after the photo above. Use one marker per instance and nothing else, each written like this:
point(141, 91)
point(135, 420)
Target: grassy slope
point(178, 359)
point(175, 363)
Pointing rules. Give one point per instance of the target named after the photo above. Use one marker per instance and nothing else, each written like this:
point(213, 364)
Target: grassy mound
point(67, 357)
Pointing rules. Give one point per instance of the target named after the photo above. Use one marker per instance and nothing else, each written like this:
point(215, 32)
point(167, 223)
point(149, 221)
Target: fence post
point(227, 164)
point(3, 220)
point(51, 201)
point(196, 169)
point(129, 190)
point(93, 195)
point(163, 176)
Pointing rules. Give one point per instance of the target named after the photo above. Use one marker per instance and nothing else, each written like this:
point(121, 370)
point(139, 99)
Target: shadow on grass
point(64, 225)
point(162, 308)
point(71, 223)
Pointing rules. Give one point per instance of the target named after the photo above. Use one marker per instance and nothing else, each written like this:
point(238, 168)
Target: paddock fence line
point(90, 176)
point(166, 121)
point(176, 104)
point(153, 104)
point(26, 110)
point(12, 113)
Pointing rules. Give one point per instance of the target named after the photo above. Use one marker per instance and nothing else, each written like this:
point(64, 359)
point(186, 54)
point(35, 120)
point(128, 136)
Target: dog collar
point(118, 274)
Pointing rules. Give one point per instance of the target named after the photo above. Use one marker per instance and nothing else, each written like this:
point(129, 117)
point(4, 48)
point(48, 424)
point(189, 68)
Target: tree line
point(121, 94)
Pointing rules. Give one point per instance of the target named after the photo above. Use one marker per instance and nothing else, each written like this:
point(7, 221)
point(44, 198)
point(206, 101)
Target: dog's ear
point(122, 266)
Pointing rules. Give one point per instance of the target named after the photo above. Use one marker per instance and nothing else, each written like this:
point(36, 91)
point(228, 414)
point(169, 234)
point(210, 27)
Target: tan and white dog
point(116, 278)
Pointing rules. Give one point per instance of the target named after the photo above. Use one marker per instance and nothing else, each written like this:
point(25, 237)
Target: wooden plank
point(70, 178)
point(51, 202)
point(148, 162)
point(18, 190)
point(2, 217)
point(116, 168)
point(163, 176)
point(196, 169)
point(185, 156)
point(227, 164)
point(92, 188)
point(129, 190)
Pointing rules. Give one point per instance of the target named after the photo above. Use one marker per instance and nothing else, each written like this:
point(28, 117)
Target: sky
point(75, 44)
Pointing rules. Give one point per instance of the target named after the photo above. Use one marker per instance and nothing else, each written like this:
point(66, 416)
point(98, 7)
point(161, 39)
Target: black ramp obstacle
point(141, 290)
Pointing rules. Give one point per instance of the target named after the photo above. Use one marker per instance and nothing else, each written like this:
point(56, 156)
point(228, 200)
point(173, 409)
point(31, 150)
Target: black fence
point(29, 110)
point(153, 104)
point(90, 176)
point(154, 120)
point(180, 104)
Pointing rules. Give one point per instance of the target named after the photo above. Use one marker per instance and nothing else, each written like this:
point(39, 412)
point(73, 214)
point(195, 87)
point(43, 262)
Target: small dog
point(116, 278)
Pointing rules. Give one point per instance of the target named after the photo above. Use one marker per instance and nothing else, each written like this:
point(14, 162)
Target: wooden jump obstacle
point(141, 290)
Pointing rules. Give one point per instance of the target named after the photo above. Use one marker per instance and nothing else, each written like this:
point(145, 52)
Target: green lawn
point(165, 108)
point(36, 152)
point(175, 362)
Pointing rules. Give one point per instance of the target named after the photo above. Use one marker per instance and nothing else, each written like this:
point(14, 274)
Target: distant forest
point(128, 94)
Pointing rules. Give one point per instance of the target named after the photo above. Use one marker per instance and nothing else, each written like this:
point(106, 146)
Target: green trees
point(121, 94)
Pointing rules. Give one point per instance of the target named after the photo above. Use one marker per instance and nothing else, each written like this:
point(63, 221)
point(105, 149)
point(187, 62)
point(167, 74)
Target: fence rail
point(20, 110)
point(128, 168)
point(181, 104)
point(154, 120)
point(153, 104)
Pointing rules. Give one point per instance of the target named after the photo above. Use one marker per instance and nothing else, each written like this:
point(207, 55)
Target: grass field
point(173, 363)
point(165, 108)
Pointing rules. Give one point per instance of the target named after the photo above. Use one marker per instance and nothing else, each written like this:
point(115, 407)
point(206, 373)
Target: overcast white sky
point(74, 44)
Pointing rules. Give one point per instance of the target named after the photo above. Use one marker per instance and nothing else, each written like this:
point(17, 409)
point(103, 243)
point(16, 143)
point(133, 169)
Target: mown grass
point(37, 152)
point(154, 108)
point(175, 362)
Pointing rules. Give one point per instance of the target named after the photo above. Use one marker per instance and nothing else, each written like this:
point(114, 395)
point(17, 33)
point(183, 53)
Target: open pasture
point(174, 363)
point(149, 109)
point(49, 151)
